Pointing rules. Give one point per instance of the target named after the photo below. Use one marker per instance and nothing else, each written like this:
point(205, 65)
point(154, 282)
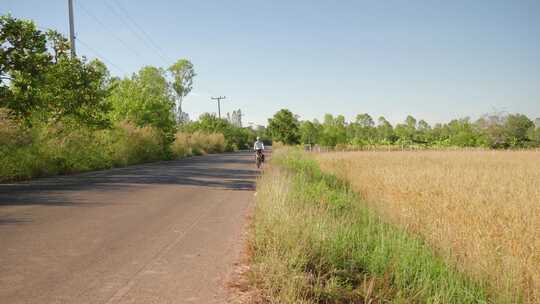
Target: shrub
point(129, 144)
point(181, 146)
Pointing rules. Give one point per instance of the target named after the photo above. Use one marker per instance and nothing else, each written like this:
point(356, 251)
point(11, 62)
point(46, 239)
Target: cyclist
point(258, 146)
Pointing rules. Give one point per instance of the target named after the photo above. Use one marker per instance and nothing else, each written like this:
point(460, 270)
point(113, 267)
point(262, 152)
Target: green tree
point(365, 120)
point(516, 127)
point(75, 91)
point(492, 131)
point(463, 133)
point(385, 131)
point(439, 134)
point(182, 73)
point(423, 132)
point(533, 134)
point(24, 62)
point(410, 122)
point(59, 45)
point(39, 86)
point(362, 130)
point(284, 127)
point(334, 130)
point(406, 132)
point(310, 132)
point(144, 99)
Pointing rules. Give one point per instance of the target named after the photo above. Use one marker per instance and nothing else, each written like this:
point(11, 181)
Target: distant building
point(537, 122)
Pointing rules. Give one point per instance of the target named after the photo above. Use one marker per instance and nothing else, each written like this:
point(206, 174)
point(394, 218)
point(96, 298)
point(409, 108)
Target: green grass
point(313, 241)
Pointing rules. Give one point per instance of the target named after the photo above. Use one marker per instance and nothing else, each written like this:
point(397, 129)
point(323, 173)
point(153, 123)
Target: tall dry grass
point(197, 143)
point(479, 209)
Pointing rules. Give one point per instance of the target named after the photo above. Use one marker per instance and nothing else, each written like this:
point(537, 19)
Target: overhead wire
point(149, 37)
point(132, 26)
point(100, 56)
point(144, 37)
point(92, 50)
point(108, 30)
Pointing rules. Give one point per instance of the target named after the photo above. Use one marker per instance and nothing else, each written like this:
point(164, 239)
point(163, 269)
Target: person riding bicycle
point(258, 146)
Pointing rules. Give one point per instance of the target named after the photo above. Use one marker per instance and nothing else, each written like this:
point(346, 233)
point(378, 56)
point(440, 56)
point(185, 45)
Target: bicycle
point(259, 158)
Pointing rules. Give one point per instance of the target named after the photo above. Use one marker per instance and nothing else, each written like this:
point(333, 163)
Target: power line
point(160, 52)
point(218, 103)
point(91, 49)
point(109, 32)
point(156, 46)
point(129, 26)
point(97, 54)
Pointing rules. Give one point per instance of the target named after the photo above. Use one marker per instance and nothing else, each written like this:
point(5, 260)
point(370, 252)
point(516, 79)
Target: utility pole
point(71, 29)
point(219, 103)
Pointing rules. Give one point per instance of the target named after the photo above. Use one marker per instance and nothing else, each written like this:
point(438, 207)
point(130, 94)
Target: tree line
point(498, 131)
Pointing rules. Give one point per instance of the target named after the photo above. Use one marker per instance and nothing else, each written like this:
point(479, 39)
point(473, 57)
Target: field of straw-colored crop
point(479, 209)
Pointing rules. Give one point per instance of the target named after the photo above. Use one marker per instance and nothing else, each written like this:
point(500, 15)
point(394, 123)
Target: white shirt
point(258, 145)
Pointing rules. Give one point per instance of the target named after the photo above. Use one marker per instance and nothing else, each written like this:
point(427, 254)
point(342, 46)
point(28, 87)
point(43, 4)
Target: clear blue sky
point(436, 60)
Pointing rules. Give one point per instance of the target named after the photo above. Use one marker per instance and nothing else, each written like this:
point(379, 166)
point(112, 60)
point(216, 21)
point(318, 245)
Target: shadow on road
point(11, 221)
point(233, 171)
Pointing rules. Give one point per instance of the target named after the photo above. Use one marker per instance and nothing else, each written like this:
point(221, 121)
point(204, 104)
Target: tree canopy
point(182, 73)
point(284, 127)
point(144, 99)
point(45, 83)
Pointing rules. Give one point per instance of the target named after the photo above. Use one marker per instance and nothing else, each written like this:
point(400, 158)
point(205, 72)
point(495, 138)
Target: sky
point(435, 60)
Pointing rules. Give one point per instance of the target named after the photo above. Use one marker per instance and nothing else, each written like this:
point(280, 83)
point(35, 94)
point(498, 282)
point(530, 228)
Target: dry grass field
point(313, 241)
point(480, 210)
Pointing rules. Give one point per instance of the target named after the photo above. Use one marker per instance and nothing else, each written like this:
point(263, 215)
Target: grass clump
point(197, 143)
point(314, 242)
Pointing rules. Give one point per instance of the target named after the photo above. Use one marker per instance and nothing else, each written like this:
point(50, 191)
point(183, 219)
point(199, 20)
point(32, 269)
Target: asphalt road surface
point(166, 232)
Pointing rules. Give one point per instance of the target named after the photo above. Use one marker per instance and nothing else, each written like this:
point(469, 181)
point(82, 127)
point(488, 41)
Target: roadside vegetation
point(55, 149)
point(64, 114)
point(315, 241)
point(189, 144)
point(480, 210)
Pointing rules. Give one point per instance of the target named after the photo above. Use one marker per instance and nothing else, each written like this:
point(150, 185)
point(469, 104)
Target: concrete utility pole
point(71, 29)
point(219, 103)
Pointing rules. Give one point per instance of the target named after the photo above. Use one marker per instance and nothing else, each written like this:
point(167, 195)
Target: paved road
point(165, 232)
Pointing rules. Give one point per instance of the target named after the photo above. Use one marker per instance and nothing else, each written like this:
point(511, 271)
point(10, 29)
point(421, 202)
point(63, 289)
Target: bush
point(129, 144)
point(181, 147)
point(234, 137)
